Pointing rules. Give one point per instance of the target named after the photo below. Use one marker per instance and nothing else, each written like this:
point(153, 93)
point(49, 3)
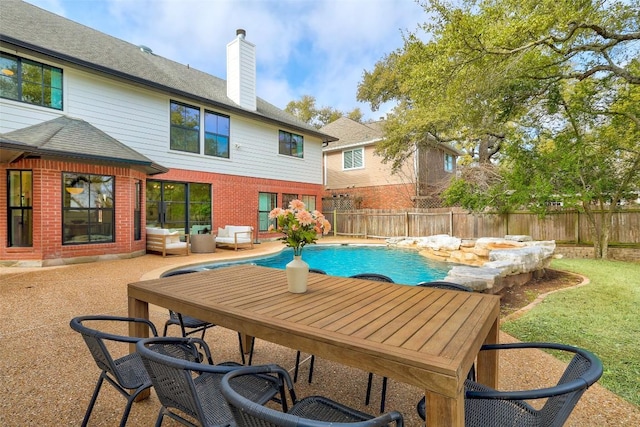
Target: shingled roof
point(70, 138)
point(30, 28)
point(352, 133)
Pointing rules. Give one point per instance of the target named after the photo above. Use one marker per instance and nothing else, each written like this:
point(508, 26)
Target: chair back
point(582, 368)
point(248, 413)
point(97, 340)
point(372, 276)
point(583, 371)
point(172, 377)
point(317, 271)
point(440, 284)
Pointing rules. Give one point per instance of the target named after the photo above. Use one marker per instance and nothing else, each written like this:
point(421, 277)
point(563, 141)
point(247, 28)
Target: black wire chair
point(485, 406)
point(383, 394)
point(193, 389)
point(312, 411)
point(312, 359)
point(191, 325)
point(126, 374)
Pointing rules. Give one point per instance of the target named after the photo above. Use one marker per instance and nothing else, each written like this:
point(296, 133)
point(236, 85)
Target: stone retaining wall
point(489, 264)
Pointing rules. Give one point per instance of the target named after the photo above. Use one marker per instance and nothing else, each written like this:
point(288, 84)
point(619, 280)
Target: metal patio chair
point(383, 394)
point(126, 374)
point(188, 389)
point(298, 354)
point(485, 406)
point(313, 411)
point(191, 325)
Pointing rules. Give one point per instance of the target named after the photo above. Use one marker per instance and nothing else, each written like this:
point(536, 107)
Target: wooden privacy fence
point(562, 226)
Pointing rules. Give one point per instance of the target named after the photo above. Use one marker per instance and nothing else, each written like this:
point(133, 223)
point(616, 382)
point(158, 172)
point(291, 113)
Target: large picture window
point(30, 81)
point(291, 144)
point(20, 204)
point(185, 128)
point(216, 135)
point(87, 208)
point(353, 159)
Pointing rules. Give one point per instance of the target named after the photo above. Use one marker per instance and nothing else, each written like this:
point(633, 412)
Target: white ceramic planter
point(297, 274)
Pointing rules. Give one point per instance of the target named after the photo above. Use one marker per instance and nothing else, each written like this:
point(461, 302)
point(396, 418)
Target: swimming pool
point(402, 265)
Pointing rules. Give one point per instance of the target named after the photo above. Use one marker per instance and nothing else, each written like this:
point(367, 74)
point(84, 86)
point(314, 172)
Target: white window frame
point(361, 166)
point(449, 166)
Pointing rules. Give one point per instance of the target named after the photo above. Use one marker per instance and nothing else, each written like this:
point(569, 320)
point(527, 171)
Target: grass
point(603, 317)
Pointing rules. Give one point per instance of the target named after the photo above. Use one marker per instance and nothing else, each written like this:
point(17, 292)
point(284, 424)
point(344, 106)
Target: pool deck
point(47, 374)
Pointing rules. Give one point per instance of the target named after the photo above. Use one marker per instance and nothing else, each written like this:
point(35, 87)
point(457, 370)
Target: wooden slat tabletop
point(422, 336)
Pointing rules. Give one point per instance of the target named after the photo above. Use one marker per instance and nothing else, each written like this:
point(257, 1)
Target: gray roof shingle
point(68, 137)
point(29, 27)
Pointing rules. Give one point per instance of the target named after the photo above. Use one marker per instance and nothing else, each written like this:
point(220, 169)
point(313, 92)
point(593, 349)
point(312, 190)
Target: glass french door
point(167, 204)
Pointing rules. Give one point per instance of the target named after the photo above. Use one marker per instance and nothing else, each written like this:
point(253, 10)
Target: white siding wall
point(139, 118)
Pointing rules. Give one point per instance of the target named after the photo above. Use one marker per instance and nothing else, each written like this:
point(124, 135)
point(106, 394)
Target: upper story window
point(449, 162)
point(353, 159)
point(185, 127)
point(216, 134)
point(291, 144)
point(30, 81)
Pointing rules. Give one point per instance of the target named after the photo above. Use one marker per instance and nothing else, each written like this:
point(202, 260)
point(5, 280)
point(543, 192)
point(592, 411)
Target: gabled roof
point(352, 133)
point(70, 138)
point(28, 28)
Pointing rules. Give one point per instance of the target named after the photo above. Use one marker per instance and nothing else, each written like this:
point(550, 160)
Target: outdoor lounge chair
point(190, 325)
point(383, 394)
point(126, 374)
point(192, 389)
point(313, 411)
point(485, 406)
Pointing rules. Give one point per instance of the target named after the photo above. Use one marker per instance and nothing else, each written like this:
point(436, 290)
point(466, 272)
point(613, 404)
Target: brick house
point(99, 137)
point(356, 177)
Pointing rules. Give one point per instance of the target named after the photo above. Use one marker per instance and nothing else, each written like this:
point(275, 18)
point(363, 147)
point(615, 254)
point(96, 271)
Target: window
point(309, 202)
point(286, 199)
point(29, 81)
point(353, 159)
point(199, 207)
point(216, 135)
point(185, 128)
point(266, 203)
point(87, 209)
point(291, 144)
point(449, 162)
point(20, 208)
point(137, 211)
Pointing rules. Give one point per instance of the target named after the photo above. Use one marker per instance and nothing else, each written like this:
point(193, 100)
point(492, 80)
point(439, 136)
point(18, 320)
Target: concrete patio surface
point(47, 374)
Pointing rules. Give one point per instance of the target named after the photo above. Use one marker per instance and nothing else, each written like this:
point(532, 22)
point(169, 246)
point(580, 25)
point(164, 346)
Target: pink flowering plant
point(298, 226)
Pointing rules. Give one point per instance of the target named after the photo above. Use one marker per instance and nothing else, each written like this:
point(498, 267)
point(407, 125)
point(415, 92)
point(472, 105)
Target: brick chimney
point(241, 71)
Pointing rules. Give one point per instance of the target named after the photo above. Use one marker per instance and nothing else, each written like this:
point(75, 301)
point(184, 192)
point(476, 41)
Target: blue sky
point(304, 47)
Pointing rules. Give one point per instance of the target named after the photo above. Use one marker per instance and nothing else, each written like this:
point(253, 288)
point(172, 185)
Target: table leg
point(246, 343)
point(487, 369)
point(445, 411)
point(138, 308)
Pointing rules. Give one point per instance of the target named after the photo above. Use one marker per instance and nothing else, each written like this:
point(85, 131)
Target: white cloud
point(304, 47)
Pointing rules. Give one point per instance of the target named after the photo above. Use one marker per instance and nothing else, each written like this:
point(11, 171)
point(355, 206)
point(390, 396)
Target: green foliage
point(602, 317)
point(305, 109)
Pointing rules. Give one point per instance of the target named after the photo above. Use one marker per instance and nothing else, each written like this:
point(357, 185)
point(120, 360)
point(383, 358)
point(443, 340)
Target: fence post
point(406, 223)
point(451, 223)
point(335, 222)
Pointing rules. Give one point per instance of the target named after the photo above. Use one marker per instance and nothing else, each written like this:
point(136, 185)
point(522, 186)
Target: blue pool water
point(402, 265)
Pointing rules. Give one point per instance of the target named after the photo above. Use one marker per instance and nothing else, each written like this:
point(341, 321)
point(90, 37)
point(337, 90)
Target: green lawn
point(603, 317)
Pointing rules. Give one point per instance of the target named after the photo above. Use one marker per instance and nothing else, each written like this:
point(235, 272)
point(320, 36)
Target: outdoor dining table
point(421, 336)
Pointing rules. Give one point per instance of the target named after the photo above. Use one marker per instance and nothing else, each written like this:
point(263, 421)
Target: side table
point(203, 243)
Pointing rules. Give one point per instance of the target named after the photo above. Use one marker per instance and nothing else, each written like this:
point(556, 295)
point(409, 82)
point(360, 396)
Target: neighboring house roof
point(70, 138)
point(28, 27)
point(352, 133)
